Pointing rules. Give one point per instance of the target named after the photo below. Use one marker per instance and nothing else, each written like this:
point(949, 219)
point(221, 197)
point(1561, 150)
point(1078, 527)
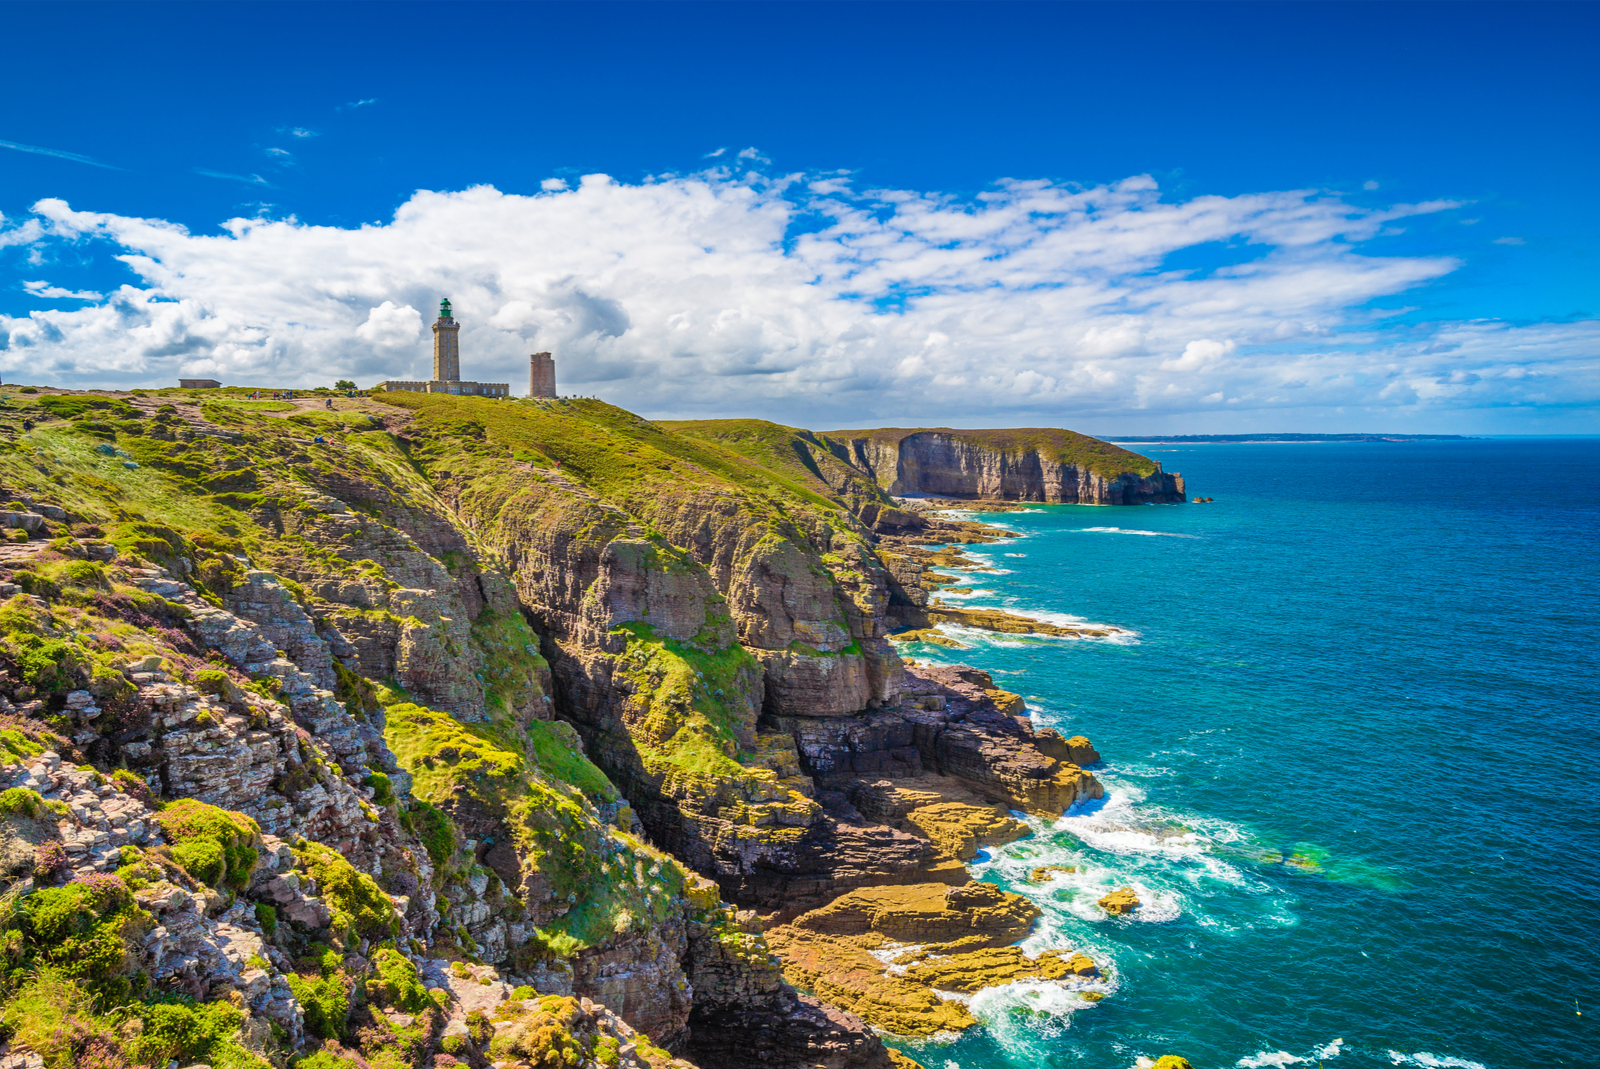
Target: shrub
point(79, 928)
point(53, 1016)
point(49, 860)
point(267, 917)
point(187, 1033)
point(213, 845)
point(21, 801)
point(356, 902)
point(131, 784)
point(382, 790)
point(51, 664)
point(397, 984)
point(326, 1059)
point(325, 1000)
point(213, 681)
point(434, 827)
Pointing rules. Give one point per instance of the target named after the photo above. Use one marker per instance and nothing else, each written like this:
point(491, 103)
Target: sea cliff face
point(1052, 466)
point(447, 731)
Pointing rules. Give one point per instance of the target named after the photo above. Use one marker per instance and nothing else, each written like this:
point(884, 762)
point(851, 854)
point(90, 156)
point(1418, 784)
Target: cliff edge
point(448, 731)
point(1027, 464)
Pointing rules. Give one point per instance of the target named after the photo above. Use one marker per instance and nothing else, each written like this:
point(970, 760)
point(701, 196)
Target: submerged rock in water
point(1046, 873)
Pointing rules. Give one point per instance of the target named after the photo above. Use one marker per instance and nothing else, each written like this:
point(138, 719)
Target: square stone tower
point(446, 346)
point(541, 375)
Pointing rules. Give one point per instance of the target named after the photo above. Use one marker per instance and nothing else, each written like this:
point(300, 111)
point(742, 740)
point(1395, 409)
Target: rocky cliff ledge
point(454, 731)
point(1035, 464)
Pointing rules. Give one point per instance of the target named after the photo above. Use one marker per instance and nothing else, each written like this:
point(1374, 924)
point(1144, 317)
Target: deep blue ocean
point(1350, 751)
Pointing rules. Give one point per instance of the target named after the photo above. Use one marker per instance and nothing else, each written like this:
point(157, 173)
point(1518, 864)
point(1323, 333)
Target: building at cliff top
point(199, 384)
point(541, 375)
point(447, 364)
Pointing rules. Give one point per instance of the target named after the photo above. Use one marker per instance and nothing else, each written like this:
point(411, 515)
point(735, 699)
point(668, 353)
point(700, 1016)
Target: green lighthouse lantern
point(444, 308)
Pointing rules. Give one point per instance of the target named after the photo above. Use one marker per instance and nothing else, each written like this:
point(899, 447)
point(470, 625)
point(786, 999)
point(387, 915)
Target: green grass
point(443, 754)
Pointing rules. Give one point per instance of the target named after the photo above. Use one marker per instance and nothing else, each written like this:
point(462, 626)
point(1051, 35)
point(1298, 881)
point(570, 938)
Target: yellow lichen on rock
point(1007, 702)
point(842, 972)
point(961, 830)
point(1120, 901)
point(882, 953)
point(926, 913)
point(968, 973)
point(931, 635)
point(1046, 873)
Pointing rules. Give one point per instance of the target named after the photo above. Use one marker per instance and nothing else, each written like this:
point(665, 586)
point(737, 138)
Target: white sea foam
point(1016, 554)
point(1269, 1057)
point(951, 595)
point(1135, 531)
point(1429, 1060)
point(1331, 1050)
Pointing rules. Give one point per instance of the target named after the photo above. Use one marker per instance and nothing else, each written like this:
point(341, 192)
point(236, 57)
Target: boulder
point(1120, 901)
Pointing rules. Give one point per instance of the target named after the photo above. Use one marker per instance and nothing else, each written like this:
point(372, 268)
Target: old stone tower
point(447, 365)
point(446, 346)
point(541, 375)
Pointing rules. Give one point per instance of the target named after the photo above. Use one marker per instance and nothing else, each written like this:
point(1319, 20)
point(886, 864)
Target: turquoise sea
point(1350, 754)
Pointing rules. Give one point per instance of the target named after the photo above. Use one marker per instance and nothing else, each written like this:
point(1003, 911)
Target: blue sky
point(1340, 216)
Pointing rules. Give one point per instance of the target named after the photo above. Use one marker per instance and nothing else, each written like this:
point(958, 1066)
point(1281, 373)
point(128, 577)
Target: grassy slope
point(1062, 446)
point(205, 498)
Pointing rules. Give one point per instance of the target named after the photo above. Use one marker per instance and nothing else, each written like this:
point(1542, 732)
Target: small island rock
point(1120, 902)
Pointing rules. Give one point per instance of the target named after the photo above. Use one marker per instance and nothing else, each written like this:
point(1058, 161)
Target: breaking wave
point(1433, 1061)
point(1133, 531)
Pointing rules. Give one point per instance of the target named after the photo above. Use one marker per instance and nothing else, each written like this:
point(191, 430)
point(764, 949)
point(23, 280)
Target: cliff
point(448, 730)
point(1036, 464)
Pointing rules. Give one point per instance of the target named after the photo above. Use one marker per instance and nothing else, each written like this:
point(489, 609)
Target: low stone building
point(199, 384)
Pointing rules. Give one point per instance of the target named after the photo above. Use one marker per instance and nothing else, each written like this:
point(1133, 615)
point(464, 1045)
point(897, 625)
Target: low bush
point(213, 845)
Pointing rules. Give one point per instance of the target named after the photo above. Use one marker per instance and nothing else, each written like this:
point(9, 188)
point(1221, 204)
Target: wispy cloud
point(44, 289)
point(802, 299)
point(714, 153)
point(280, 153)
point(30, 231)
point(247, 179)
point(299, 131)
point(553, 185)
point(58, 154)
point(357, 104)
point(1510, 241)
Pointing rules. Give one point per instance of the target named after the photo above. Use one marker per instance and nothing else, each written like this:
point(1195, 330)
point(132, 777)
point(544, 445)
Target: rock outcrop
point(456, 731)
point(1041, 464)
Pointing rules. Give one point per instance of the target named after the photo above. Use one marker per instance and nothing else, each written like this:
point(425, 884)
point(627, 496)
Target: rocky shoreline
point(449, 732)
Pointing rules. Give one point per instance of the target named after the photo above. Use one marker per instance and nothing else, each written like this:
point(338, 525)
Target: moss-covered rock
point(215, 846)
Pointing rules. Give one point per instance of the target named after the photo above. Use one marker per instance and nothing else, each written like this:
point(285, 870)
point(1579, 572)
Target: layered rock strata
point(497, 699)
point(1041, 464)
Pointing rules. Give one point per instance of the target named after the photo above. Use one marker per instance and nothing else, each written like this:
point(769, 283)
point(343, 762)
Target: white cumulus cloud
point(390, 326)
point(800, 298)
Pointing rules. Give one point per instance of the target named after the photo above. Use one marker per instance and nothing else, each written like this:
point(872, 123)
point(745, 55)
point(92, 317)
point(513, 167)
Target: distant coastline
point(1201, 439)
